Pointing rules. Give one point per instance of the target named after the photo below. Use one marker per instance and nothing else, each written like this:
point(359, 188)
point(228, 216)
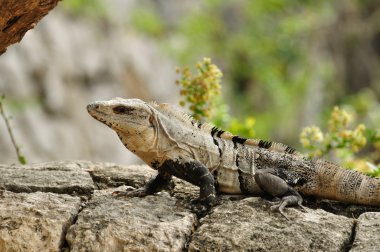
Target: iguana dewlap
point(172, 143)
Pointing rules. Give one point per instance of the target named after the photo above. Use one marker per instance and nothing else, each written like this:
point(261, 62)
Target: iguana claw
point(278, 208)
point(276, 186)
point(285, 201)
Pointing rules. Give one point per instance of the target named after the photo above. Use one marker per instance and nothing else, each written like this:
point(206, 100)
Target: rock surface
point(47, 221)
point(112, 175)
point(153, 223)
point(367, 232)
point(35, 221)
point(247, 225)
point(55, 177)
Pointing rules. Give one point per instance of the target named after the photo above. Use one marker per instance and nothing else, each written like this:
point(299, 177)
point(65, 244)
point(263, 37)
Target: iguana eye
point(120, 109)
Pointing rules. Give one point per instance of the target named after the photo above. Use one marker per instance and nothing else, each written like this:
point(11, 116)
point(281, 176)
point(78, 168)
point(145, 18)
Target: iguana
point(174, 144)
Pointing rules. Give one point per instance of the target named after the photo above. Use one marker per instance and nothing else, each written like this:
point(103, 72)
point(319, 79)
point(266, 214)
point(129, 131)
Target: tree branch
point(18, 16)
point(20, 157)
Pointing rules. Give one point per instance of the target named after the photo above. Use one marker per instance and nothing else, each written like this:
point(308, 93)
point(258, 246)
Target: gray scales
point(174, 144)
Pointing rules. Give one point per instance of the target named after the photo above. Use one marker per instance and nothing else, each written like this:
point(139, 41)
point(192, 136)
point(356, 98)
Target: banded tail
point(346, 185)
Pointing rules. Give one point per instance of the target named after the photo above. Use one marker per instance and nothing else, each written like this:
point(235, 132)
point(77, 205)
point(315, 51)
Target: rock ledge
point(67, 206)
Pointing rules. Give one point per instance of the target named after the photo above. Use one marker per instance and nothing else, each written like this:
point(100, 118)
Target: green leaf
point(22, 160)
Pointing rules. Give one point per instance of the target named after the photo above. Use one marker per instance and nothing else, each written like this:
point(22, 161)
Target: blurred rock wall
point(62, 65)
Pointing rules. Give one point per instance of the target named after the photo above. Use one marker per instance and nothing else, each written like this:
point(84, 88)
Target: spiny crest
point(182, 116)
point(273, 146)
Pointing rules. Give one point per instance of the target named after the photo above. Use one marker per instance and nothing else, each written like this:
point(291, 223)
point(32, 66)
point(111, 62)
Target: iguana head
point(132, 119)
point(152, 131)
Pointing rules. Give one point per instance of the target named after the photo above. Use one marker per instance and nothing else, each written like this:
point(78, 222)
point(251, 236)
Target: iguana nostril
point(92, 106)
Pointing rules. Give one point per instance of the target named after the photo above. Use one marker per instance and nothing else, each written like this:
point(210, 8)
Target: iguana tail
point(346, 185)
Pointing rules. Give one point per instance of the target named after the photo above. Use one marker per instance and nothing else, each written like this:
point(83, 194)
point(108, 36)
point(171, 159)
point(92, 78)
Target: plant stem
point(20, 157)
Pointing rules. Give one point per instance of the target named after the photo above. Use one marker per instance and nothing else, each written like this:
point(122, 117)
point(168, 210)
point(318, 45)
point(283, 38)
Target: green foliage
point(147, 21)
point(200, 90)
point(272, 53)
point(343, 143)
point(244, 128)
point(21, 159)
point(275, 60)
point(264, 51)
point(202, 93)
point(338, 135)
point(93, 8)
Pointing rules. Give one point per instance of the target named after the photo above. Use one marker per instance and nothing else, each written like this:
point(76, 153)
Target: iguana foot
point(270, 183)
point(278, 208)
point(285, 201)
point(139, 192)
point(156, 184)
point(196, 207)
point(292, 202)
point(202, 205)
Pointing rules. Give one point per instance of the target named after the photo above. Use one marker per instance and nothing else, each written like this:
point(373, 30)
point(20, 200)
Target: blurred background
point(285, 63)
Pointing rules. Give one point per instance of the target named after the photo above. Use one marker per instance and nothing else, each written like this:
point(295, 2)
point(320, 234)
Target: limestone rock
point(367, 232)
point(35, 221)
point(153, 223)
point(56, 177)
point(161, 222)
point(247, 225)
point(113, 175)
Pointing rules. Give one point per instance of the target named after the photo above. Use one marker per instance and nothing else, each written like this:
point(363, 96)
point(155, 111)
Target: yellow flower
point(200, 90)
point(346, 134)
point(339, 119)
point(310, 135)
point(206, 61)
point(317, 134)
point(305, 142)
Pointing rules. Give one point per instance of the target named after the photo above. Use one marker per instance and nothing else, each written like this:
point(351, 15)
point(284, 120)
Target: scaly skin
point(215, 160)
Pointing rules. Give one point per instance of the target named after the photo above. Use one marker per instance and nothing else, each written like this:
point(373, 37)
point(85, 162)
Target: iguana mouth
point(93, 110)
point(92, 107)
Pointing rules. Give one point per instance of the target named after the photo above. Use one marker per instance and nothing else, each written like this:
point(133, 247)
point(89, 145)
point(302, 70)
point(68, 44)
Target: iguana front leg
point(191, 171)
point(195, 173)
point(277, 187)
